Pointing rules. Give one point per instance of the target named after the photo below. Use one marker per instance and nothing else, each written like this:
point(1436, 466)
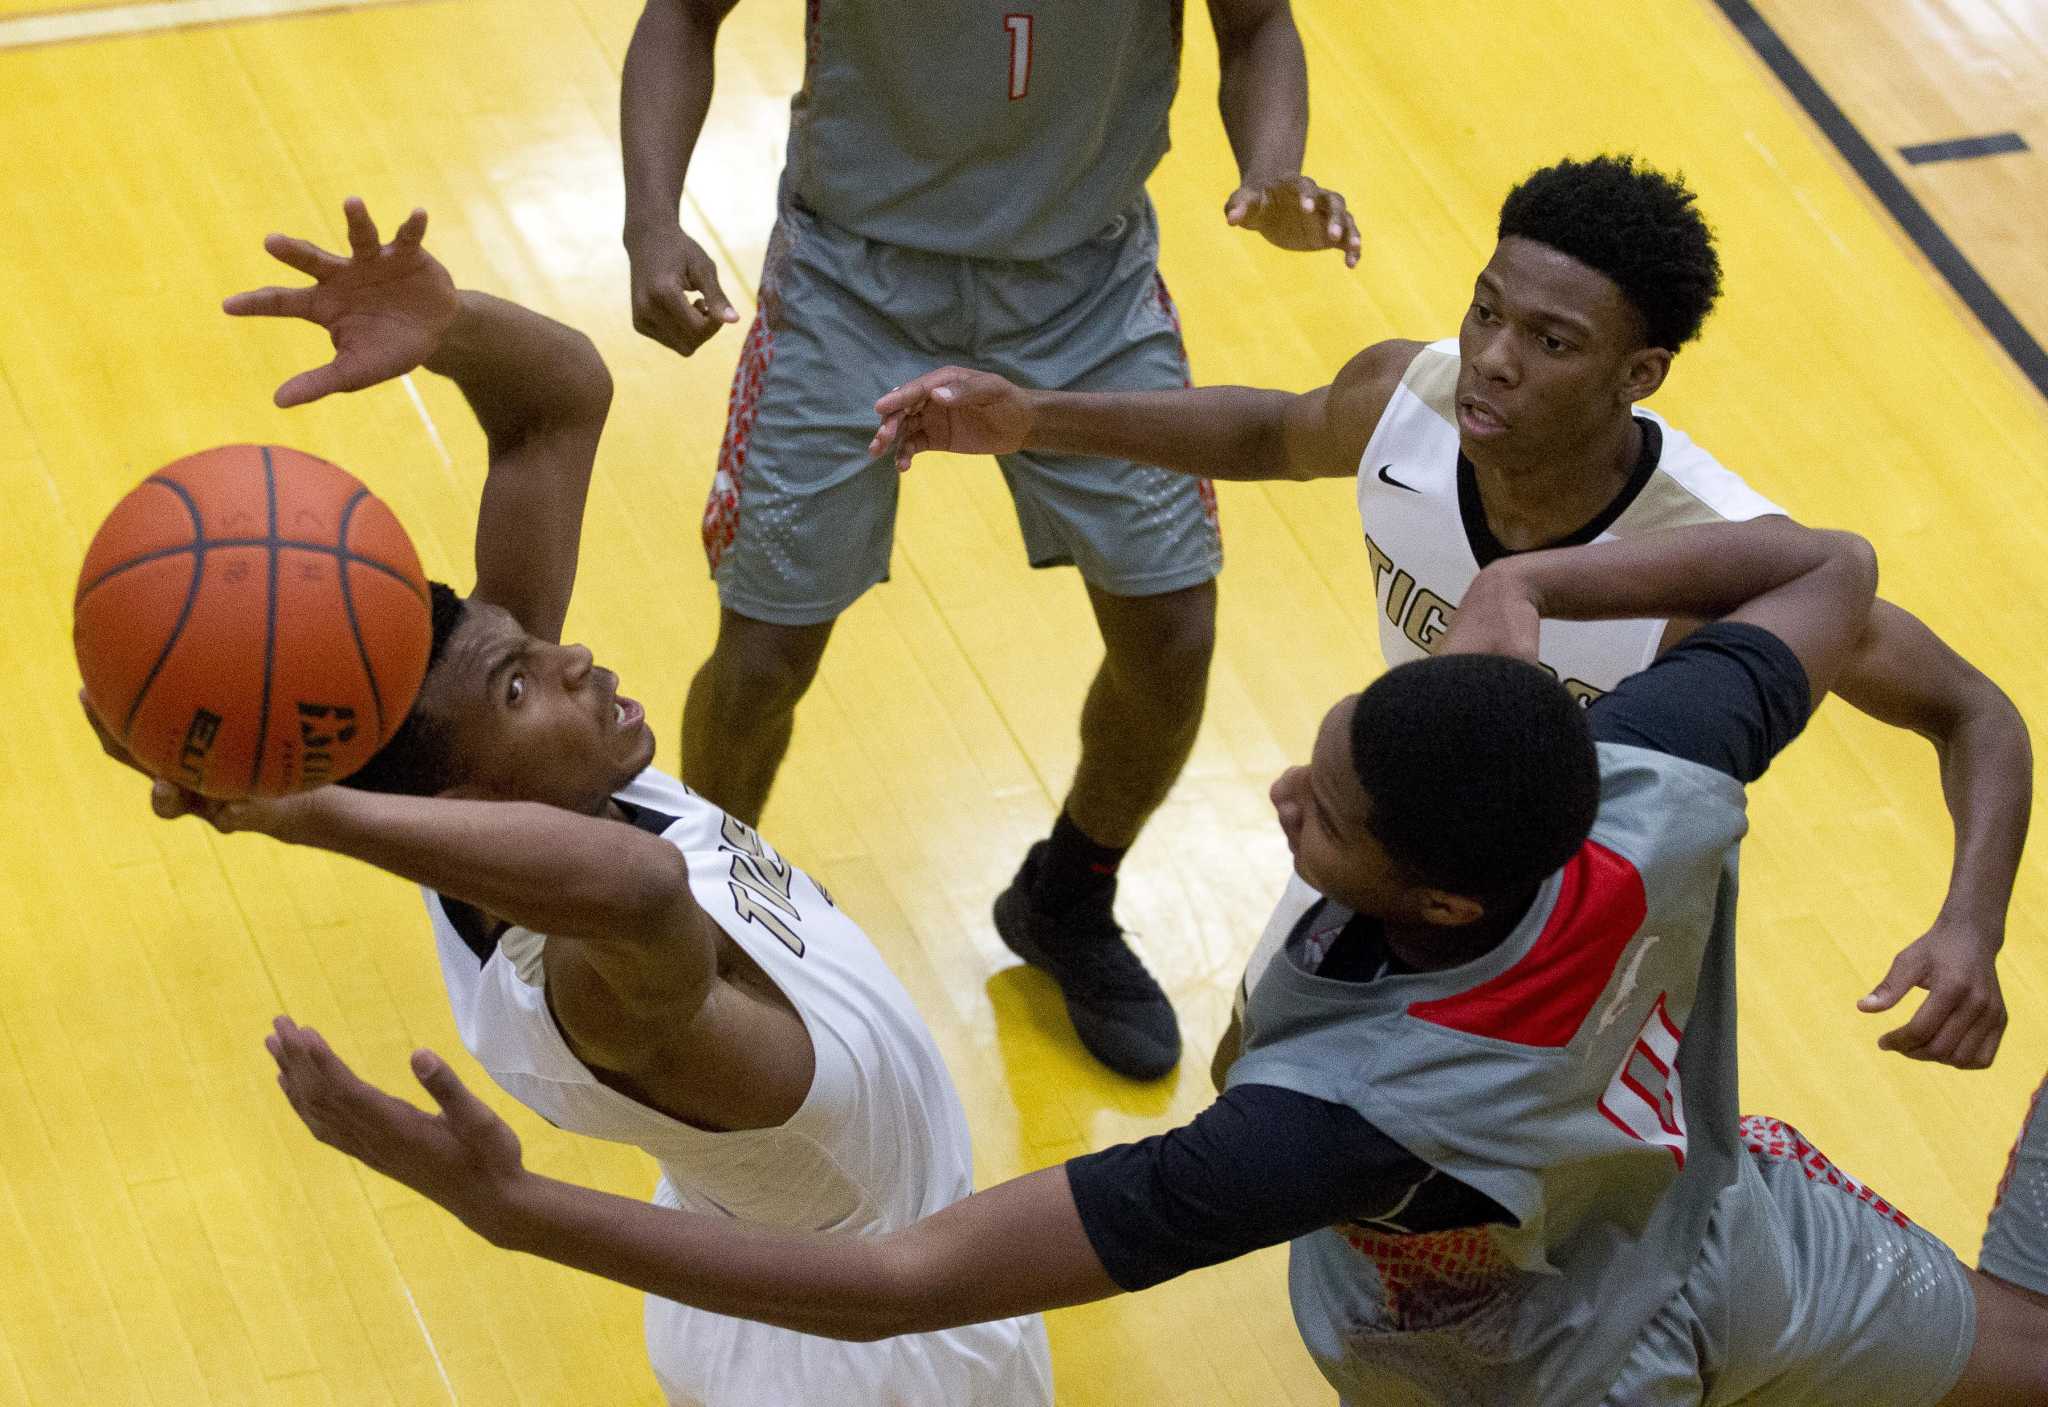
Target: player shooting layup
point(624, 958)
point(1489, 1081)
point(1526, 431)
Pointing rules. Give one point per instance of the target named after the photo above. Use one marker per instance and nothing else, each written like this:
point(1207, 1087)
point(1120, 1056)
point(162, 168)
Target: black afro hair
point(1479, 772)
point(1634, 224)
point(420, 758)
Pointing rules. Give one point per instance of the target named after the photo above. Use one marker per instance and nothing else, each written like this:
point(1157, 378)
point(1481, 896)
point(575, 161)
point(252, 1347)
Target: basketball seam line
point(270, 627)
point(202, 545)
point(184, 613)
point(348, 604)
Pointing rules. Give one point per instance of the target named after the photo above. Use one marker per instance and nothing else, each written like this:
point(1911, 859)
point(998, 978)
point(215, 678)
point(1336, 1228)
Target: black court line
point(1922, 228)
point(1962, 148)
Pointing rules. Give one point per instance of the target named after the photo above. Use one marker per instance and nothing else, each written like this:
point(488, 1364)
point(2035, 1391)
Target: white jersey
point(1426, 534)
point(879, 1142)
point(1426, 531)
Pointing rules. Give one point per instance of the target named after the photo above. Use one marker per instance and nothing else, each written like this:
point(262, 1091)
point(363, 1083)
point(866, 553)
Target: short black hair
point(419, 760)
point(1479, 772)
point(1632, 223)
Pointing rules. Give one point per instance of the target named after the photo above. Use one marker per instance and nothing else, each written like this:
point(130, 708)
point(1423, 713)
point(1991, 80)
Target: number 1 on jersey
point(1019, 27)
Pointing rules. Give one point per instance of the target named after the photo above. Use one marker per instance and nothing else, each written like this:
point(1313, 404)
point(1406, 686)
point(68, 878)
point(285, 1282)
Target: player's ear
point(1643, 373)
point(1448, 910)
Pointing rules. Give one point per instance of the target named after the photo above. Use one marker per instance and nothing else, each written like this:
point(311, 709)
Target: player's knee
point(1171, 653)
point(764, 669)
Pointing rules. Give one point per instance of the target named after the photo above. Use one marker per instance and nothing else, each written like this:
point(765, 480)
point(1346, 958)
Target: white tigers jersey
point(879, 1141)
point(1426, 532)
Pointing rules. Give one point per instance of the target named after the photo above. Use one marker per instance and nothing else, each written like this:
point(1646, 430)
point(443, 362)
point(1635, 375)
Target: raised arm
point(662, 101)
point(541, 393)
point(1215, 432)
point(539, 390)
point(1264, 101)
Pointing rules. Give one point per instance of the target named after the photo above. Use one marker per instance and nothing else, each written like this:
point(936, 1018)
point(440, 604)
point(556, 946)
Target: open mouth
point(627, 713)
point(1478, 418)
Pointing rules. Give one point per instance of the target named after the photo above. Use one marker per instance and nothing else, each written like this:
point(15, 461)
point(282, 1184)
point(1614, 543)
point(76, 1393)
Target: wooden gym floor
point(169, 1235)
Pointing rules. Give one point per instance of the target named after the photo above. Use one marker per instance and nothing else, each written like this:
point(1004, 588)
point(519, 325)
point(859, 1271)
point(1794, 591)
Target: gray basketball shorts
point(1810, 1291)
point(801, 521)
point(2016, 1235)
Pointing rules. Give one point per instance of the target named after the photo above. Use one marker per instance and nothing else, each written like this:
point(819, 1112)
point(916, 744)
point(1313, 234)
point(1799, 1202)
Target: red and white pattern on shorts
point(1433, 1279)
point(722, 508)
point(1204, 488)
point(1766, 1137)
point(2012, 1159)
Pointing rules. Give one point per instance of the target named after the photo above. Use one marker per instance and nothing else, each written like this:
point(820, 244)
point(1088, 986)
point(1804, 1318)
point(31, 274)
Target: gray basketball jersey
point(1010, 130)
point(1582, 1075)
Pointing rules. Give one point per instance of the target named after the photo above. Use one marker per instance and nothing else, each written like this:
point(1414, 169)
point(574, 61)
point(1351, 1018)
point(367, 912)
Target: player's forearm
point(541, 393)
point(538, 866)
point(835, 1285)
point(1987, 778)
point(1812, 588)
point(1702, 572)
point(520, 371)
point(1014, 1249)
point(1215, 432)
point(663, 97)
point(1903, 674)
point(1263, 95)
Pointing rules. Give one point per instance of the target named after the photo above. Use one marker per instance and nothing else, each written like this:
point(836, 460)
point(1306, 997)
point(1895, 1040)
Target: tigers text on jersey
point(1427, 536)
point(879, 1141)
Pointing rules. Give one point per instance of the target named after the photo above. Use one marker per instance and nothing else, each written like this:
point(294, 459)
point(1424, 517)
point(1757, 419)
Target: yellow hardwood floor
point(169, 1235)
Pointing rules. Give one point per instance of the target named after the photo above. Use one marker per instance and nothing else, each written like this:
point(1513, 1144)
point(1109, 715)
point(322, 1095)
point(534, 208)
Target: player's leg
point(2008, 1364)
point(2015, 1248)
point(1879, 1312)
point(741, 709)
point(2010, 1361)
point(800, 520)
point(1143, 708)
point(1146, 542)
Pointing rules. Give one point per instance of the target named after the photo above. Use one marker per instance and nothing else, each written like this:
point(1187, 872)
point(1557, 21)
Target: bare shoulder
point(1328, 429)
point(1367, 382)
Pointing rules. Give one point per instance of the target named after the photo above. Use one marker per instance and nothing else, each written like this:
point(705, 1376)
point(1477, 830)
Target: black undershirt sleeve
point(1729, 696)
point(1260, 1166)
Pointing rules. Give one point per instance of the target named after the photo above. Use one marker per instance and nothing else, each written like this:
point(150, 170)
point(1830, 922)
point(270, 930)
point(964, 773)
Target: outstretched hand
point(1963, 1018)
point(464, 1157)
point(385, 306)
point(968, 412)
point(1295, 213)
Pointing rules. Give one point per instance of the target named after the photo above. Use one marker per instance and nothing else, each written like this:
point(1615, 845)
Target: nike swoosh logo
point(1387, 478)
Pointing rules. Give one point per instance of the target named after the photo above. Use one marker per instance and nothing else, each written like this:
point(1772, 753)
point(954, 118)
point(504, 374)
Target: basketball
point(251, 621)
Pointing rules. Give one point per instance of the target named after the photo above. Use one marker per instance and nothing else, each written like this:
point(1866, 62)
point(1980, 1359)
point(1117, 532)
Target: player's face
point(1550, 353)
point(535, 721)
point(1323, 810)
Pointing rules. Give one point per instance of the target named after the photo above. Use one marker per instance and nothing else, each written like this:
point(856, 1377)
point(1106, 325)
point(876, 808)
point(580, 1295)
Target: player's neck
point(1429, 947)
point(1532, 504)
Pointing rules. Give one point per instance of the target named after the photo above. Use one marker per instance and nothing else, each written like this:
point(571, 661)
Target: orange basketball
point(251, 621)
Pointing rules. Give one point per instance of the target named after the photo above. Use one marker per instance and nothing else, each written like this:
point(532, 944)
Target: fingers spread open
point(270, 302)
point(413, 230)
point(363, 240)
point(304, 255)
